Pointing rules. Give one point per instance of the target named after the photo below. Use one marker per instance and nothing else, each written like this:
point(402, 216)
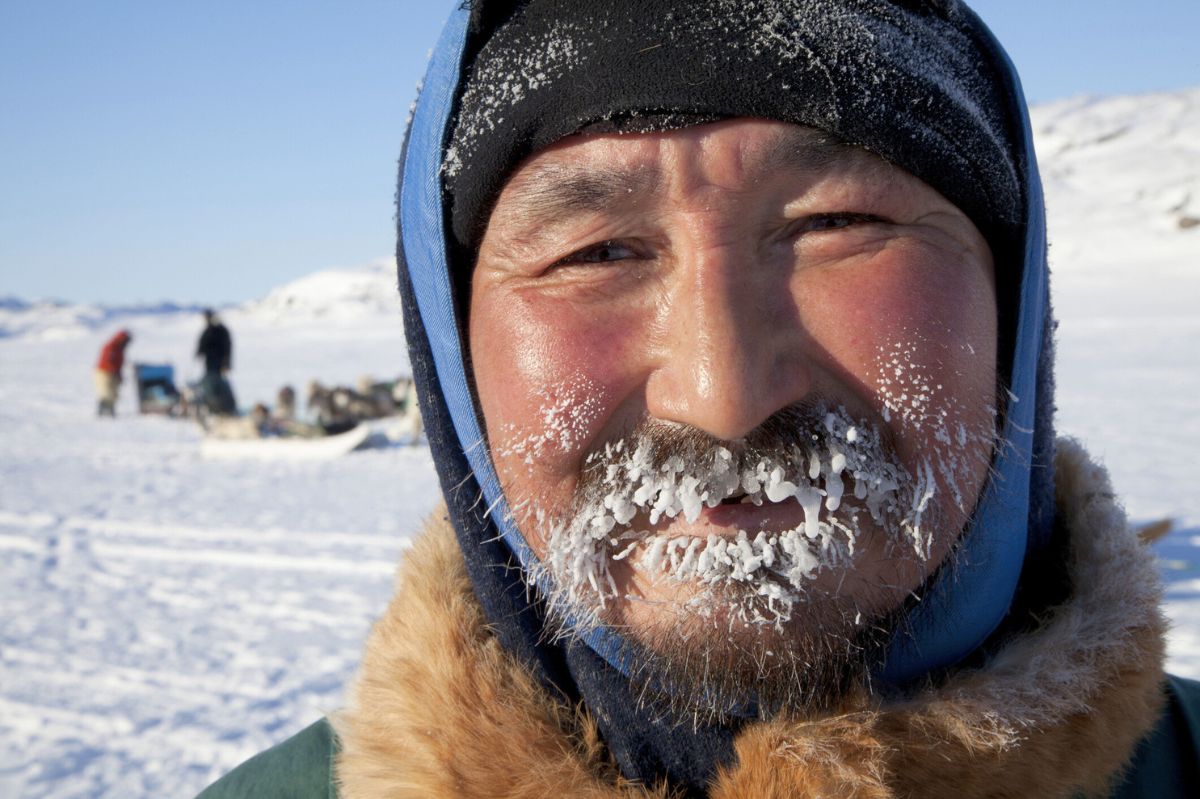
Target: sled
point(156, 392)
point(286, 448)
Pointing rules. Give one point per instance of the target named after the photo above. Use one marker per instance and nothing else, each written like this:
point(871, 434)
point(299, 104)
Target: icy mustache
point(808, 453)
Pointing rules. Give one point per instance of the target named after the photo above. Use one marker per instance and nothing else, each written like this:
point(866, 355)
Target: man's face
point(738, 383)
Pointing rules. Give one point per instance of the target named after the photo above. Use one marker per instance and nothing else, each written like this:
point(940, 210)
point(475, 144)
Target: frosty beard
point(758, 617)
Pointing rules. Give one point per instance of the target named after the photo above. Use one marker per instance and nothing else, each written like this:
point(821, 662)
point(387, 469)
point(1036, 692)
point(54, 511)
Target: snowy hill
point(1122, 178)
point(344, 295)
point(48, 318)
point(166, 616)
point(53, 319)
point(1123, 158)
point(341, 294)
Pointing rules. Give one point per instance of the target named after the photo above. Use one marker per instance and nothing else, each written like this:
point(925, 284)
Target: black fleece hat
point(910, 80)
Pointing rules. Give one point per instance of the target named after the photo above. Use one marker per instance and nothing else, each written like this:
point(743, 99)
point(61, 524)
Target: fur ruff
point(440, 710)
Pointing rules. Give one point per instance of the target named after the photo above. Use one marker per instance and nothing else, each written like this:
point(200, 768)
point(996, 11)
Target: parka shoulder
point(299, 768)
point(1166, 763)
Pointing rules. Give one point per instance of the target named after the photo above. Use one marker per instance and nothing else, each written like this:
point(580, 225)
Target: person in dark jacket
point(215, 345)
point(107, 374)
point(732, 333)
point(216, 348)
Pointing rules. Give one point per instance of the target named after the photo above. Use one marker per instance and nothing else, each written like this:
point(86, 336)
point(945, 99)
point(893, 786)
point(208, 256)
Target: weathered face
point(737, 380)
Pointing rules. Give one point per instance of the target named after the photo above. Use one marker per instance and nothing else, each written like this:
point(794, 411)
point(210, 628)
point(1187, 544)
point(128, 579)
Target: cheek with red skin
point(932, 318)
point(551, 375)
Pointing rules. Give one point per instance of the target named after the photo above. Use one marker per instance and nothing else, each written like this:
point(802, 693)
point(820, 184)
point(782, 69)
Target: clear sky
point(208, 150)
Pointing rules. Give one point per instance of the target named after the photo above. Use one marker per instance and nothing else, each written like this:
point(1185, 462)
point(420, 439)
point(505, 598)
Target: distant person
point(107, 375)
point(216, 348)
point(285, 404)
point(216, 345)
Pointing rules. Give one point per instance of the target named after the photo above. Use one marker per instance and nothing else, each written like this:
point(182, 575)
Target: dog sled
point(156, 391)
point(345, 420)
point(233, 437)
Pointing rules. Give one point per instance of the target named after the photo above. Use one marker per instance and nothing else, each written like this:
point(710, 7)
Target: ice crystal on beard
point(771, 567)
point(920, 404)
point(840, 479)
point(565, 415)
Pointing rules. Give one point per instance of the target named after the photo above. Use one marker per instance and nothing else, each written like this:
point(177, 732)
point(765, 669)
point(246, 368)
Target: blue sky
point(208, 151)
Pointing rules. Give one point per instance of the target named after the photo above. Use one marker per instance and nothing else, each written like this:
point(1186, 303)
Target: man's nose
point(731, 346)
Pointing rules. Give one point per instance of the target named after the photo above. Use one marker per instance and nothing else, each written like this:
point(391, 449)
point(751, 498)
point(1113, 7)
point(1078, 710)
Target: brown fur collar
point(440, 710)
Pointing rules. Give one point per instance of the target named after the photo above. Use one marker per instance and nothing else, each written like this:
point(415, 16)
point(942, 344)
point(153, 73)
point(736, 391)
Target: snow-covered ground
point(1122, 182)
point(162, 617)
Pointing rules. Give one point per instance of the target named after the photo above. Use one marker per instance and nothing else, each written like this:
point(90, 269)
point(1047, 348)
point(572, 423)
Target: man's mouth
point(742, 498)
point(774, 505)
point(764, 514)
point(752, 513)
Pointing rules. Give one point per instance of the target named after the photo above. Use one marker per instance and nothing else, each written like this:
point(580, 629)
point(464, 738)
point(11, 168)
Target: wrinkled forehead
point(764, 147)
point(596, 173)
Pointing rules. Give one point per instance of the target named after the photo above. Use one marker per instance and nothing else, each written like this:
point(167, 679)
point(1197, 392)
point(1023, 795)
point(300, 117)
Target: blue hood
point(960, 610)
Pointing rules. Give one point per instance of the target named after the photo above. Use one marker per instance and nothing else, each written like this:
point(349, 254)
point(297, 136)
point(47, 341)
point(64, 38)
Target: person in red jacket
point(107, 374)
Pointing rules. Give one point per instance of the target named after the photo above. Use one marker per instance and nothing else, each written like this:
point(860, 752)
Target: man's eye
point(819, 222)
point(602, 253)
